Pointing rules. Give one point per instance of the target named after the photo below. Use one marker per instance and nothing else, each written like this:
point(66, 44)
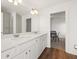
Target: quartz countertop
point(11, 42)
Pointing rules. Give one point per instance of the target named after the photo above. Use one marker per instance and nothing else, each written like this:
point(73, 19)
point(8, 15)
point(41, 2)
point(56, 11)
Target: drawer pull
point(29, 50)
point(36, 40)
point(26, 52)
point(7, 55)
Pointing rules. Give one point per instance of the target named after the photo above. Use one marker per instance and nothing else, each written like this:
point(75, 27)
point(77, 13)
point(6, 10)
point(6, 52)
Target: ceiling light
point(10, 1)
point(34, 12)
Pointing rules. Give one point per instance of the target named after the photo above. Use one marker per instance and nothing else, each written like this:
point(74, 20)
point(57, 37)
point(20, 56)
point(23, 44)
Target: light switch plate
point(75, 46)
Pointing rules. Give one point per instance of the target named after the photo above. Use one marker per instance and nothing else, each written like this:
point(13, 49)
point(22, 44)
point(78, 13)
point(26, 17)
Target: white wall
point(14, 21)
point(1, 22)
point(35, 22)
point(71, 21)
point(24, 23)
point(58, 23)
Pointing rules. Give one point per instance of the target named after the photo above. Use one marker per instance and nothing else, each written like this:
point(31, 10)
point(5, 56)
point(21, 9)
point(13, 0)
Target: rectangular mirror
point(7, 23)
point(11, 22)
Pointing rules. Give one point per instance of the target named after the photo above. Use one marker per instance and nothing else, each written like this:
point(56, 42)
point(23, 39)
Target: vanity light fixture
point(15, 2)
point(34, 11)
point(10, 1)
point(20, 1)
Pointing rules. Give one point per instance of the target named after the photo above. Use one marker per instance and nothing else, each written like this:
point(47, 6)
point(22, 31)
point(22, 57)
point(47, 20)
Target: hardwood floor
point(58, 44)
point(53, 53)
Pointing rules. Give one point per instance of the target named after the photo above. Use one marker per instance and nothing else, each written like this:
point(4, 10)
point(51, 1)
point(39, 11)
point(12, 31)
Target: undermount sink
point(16, 35)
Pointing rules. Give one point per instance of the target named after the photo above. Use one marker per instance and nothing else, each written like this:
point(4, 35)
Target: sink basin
point(16, 35)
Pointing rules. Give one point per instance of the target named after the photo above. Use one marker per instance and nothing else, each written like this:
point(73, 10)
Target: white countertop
point(11, 42)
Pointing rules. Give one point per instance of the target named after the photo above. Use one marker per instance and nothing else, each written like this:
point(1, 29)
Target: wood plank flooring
point(58, 44)
point(53, 53)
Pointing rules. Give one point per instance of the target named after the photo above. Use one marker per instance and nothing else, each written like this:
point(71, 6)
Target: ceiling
point(27, 5)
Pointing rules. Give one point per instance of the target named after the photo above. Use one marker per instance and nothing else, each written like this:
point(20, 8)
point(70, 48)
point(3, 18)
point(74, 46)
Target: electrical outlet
point(75, 46)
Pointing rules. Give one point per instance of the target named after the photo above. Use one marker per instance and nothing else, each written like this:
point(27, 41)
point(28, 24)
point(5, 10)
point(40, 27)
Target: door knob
point(7, 55)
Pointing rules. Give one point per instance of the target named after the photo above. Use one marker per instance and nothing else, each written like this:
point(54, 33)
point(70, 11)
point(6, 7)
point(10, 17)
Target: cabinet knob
point(26, 52)
point(36, 40)
point(29, 50)
point(7, 55)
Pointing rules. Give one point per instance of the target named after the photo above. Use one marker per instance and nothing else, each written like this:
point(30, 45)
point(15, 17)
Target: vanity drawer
point(8, 54)
point(23, 47)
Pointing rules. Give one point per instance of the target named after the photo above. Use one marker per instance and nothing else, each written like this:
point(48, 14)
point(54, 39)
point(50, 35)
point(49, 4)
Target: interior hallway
point(57, 51)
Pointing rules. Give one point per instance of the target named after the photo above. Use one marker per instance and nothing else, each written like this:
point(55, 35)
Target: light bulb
point(32, 12)
point(20, 1)
point(10, 1)
point(15, 3)
point(36, 12)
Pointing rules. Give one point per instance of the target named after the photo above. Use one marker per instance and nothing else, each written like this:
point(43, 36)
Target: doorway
point(57, 30)
point(28, 25)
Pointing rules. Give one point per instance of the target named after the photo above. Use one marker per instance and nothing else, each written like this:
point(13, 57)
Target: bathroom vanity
point(24, 46)
point(16, 44)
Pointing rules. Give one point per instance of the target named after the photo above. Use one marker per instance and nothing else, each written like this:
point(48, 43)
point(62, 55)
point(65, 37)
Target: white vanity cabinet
point(37, 47)
point(41, 43)
point(27, 50)
point(22, 55)
point(8, 54)
point(44, 41)
point(32, 52)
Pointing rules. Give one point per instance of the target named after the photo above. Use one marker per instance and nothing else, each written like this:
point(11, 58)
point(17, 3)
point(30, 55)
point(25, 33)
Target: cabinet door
point(19, 56)
point(22, 55)
point(33, 51)
point(45, 41)
point(28, 53)
point(8, 54)
point(41, 44)
point(38, 47)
